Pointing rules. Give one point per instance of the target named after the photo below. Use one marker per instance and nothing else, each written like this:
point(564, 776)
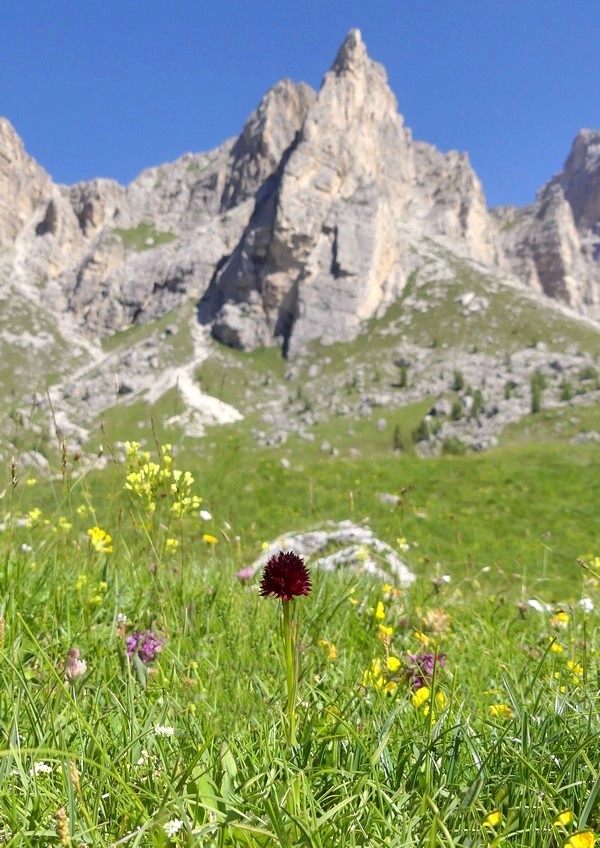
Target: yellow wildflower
point(373, 674)
point(329, 649)
point(362, 554)
point(100, 540)
point(384, 631)
point(390, 592)
point(492, 820)
point(171, 544)
point(575, 669)
point(556, 648)
point(423, 639)
point(31, 481)
point(402, 543)
point(564, 819)
point(583, 839)
point(393, 664)
point(35, 514)
point(560, 621)
point(421, 696)
point(82, 511)
point(380, 612)
point(63, 524)
point(421, 699)
point(500, 711)
point(210, 540)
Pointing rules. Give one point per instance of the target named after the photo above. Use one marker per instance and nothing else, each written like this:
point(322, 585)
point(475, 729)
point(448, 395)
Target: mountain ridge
point(324, 231)
point(301, 228)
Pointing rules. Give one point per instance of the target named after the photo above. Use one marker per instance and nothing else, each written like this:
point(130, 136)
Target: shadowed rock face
point(554, 244)
point(580, 181)
point(305, 226)
point(265, 138)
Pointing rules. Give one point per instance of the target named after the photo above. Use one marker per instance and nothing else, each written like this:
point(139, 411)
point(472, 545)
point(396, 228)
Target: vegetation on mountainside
point(144, 237)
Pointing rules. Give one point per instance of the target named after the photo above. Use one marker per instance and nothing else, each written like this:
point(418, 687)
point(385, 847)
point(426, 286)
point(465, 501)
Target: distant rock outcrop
point(554, 244)
point(24, 186)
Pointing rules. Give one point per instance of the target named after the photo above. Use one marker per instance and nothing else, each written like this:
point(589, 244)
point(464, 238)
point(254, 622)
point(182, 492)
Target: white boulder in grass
point(538, 606)
point(358, 549)
point(586, 604)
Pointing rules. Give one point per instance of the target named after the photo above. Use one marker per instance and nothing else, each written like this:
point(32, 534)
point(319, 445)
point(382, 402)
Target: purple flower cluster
point(420, 671)
point(145, 645)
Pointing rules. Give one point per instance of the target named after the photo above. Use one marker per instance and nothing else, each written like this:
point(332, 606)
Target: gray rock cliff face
point(580, 180)
point(269, 131)
point(305, 226)
point(329, 243)
point(554, 244)
point(24, 186)
point(115, 255)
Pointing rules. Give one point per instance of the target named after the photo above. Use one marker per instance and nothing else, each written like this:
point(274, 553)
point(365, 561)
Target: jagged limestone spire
point(351, 54)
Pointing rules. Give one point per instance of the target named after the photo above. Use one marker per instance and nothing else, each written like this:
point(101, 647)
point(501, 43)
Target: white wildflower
point(205, 515)
point(164, 730)
point(144, 757)
point(171, 828)
point(40, 768)
point(586, 604)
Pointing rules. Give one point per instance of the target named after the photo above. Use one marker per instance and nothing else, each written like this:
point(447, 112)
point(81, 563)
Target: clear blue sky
point(109, 87)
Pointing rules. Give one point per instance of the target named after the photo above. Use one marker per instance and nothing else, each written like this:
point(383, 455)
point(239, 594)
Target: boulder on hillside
point(356, 549)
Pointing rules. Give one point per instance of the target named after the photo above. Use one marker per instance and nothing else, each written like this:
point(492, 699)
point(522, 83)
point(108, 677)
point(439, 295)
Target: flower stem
point(290, 671)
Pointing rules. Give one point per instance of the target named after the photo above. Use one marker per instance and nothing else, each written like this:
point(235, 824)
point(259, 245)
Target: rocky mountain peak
point(554, 244)
point(580, 179)
point(307, 225)
point(352, 54)
point(23, 184)
point(327, 246)
point(11, 145)
point(266, 136)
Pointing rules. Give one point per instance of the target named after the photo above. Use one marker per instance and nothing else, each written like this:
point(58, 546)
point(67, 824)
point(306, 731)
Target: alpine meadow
point(299, 504)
